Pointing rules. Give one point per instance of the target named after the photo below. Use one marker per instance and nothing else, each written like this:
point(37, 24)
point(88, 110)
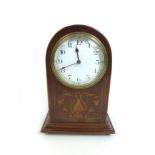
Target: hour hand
point(77, 53)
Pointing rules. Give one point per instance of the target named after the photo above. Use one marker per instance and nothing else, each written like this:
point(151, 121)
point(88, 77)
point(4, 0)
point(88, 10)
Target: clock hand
point(68, 65)
point(78, 61)
point(77, 53)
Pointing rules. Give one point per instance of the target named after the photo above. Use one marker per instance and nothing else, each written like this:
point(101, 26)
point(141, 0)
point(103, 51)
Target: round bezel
point(84, 35)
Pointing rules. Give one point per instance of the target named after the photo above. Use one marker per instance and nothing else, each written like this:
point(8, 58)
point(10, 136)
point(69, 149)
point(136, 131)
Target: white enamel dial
point(79, 61)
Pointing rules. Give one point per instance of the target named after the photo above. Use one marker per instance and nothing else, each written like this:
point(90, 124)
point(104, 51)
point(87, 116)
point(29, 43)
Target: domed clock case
point(81, 110)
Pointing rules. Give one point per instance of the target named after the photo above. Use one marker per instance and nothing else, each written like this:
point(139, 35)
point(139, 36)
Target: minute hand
point(68, 66)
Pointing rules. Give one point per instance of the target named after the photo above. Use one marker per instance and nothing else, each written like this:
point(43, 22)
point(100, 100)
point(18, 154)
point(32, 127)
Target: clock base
point(103, 128)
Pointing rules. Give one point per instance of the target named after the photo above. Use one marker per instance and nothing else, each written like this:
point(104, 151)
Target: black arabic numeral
point(98, 61)
point(69, 77)
point(95, 52)
point(69, 44)
point(79, 42)
point(62, 52)
point(88, 76)
point(59, 61)
point(95, 70)
point(62, 70)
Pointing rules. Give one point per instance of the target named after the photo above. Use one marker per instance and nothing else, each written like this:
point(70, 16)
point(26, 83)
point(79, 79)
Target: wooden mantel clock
point(78, 63)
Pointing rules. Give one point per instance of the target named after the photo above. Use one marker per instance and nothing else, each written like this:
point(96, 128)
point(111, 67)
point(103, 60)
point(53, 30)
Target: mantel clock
point(78, 65)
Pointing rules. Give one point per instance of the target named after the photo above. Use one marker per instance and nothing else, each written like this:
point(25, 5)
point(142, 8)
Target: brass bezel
point(86, 35)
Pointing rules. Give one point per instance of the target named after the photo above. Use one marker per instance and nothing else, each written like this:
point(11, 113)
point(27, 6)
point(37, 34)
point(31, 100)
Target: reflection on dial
point(79, 61)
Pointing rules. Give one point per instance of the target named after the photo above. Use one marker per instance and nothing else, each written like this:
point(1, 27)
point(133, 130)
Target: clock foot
point(103, 128)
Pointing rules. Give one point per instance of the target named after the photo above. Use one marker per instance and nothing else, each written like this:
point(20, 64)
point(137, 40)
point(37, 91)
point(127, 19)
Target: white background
point(25, 30)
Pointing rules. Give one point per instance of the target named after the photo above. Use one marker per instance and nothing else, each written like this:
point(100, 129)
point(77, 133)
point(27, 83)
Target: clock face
point(79, 60)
